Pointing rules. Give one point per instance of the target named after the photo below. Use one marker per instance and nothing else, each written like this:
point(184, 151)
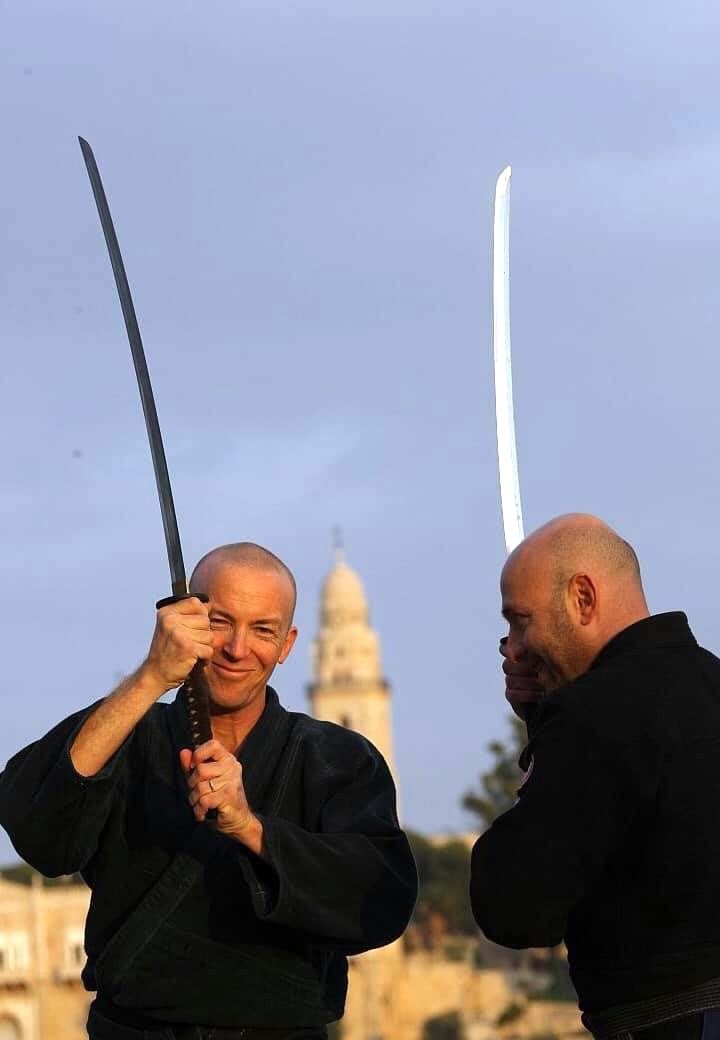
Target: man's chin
point(229, 694)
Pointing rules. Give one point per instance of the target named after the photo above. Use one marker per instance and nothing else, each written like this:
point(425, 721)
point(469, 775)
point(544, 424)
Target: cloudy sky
point(303, 196)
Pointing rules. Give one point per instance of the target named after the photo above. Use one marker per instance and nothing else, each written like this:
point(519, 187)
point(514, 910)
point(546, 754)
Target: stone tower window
point(74, 953)
point(14, 953)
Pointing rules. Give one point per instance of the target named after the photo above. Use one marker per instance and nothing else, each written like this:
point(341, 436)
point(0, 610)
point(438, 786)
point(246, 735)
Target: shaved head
point(579, 541)
point(568, 589)
point(240, 554)
point(250, 603)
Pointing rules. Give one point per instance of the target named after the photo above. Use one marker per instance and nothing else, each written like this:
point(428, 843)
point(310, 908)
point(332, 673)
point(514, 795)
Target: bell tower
point(348, 685)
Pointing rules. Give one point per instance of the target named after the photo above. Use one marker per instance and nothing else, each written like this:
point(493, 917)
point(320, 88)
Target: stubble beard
point(568, 653)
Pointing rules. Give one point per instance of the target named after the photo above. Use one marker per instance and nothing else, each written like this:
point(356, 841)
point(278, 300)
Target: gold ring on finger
point(211, 786)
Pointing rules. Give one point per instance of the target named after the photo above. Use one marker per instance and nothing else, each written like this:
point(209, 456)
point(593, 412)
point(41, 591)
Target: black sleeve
point(351, 886)
point(583, 785)
point(52, 814)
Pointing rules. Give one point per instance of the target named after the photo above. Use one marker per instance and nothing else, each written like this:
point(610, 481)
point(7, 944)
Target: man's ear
point(583, 597)
point(288, 644)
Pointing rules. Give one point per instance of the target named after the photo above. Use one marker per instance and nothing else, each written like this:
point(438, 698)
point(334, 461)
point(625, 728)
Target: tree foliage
point(497, 789)
point(22, 874)
point(444, 872)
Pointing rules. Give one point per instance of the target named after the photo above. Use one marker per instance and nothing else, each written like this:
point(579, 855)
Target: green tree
point(497, 789)
point(22, 873)
point(444, 872)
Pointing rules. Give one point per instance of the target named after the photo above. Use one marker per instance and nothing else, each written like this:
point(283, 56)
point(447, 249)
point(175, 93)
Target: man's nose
point(513, 648)
point(236, 646)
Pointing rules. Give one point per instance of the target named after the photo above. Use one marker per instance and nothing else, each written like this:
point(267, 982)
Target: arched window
point(74, 950)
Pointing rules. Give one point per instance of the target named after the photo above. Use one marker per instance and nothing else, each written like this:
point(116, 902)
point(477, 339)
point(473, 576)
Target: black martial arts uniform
point(188, 926)
point(614, 842)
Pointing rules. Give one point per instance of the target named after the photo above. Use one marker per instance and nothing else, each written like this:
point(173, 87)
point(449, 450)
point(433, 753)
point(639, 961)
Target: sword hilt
point(197, 692)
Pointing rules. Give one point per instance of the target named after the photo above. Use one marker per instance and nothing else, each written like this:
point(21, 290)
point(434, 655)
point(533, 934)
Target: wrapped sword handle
point(197, 692)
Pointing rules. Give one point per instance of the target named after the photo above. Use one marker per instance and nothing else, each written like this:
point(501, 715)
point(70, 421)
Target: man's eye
point(217, 622)
point(265, 631)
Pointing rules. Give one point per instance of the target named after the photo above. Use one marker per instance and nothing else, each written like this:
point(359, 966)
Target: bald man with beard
point(613, 844)
point(239, 928)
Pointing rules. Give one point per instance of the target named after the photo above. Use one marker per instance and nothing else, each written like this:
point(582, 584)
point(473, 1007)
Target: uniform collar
point(670, 629)
point(261, 748)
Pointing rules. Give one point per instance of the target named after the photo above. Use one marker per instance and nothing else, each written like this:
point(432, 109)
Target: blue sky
point(303, 199)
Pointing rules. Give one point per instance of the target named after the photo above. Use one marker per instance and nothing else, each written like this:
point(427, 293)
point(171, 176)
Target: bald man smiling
point(236, 928)
point(613, 844)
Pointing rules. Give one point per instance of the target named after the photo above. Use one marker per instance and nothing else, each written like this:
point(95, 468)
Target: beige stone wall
point(41, 956)
point(392, 994)
point(393, 999)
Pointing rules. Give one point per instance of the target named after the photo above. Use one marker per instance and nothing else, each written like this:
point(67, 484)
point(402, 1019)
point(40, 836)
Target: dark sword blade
point(196, 685)
point(167, 506)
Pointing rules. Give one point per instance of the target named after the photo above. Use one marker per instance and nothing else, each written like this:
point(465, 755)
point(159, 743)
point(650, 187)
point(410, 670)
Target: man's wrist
point(148, 681)
point(250, 834)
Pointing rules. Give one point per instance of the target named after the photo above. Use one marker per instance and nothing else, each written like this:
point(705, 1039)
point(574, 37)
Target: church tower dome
point(342, 598)
point(348, 685)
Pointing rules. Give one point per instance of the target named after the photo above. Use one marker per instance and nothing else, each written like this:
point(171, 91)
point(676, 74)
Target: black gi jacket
point(252, 943)
point(614, 842)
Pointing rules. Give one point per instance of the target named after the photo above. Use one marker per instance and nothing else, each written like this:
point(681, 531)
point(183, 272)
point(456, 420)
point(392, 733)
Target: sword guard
point(168, 600)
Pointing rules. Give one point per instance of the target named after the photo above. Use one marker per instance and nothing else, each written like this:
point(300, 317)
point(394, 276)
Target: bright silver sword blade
point(507, 453)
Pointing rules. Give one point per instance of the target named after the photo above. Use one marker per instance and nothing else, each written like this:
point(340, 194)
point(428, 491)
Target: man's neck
point(631, 617)
point(231, 728)
point(619, 625)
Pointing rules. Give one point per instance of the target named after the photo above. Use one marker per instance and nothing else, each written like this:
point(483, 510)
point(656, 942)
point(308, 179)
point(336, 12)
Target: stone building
point(348, 686)
point(41, 957)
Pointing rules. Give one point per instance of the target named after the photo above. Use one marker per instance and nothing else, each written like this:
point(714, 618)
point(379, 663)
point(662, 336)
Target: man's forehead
point(512, 605)
point(521, 576)
point(240, 577)
point(513, 573)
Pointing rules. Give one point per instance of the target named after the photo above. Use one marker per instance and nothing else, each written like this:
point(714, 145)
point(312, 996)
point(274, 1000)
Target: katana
point(507, 453)
point(196, 687)
point(504, 415)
